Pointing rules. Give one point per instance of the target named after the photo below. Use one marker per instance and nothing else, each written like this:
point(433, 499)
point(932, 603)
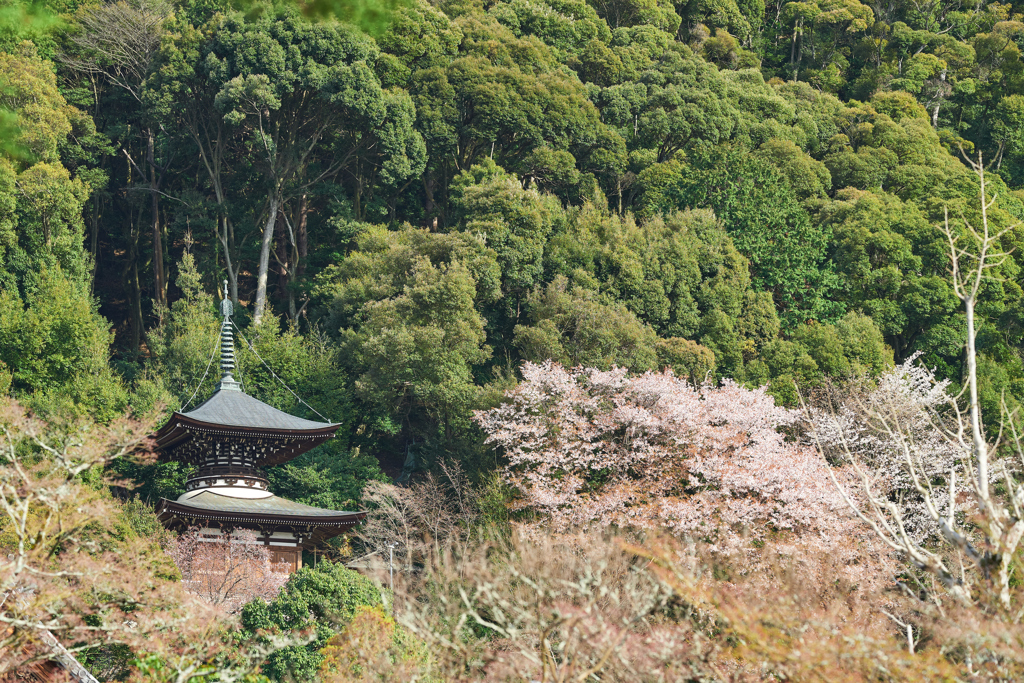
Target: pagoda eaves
point(276, 436)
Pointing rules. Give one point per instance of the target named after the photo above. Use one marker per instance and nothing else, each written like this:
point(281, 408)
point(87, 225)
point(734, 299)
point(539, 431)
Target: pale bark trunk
point(261, 276)
point(980, 447)
point(281, 244)
point(938, 100)
point(228, 241)
point(299, 250)
point(978, 440)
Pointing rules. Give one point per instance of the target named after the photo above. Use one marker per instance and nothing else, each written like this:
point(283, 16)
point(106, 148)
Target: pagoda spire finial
point(227, 346)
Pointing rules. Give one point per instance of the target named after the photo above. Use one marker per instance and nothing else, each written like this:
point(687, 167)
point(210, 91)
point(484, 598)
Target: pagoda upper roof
point(233, 408)
point(232, 414)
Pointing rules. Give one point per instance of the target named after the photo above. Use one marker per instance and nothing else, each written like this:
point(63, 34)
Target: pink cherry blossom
point(587, 448)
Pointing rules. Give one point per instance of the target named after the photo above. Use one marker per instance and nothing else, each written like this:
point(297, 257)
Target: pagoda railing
point(231, 471)
point(230, 474)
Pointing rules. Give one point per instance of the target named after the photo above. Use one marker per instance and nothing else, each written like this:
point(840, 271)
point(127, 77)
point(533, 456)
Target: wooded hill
point(409, 201)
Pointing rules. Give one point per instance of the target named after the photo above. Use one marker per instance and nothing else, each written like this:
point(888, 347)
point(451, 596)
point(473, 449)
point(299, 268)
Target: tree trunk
point(94, 240)
point(261, 276)
point(226, 236)
point(428, 191)
point(358, 205)
point(282, 258)
point(136, 304)
point(211, 153)
point(938, 99)
point(799, 50)
point(159, 281)
point(133, 286)
point(302, 237)
point(299, 250)
point(792, 44)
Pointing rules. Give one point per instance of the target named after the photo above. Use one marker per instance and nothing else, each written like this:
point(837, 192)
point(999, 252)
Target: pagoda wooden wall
point(290, 558)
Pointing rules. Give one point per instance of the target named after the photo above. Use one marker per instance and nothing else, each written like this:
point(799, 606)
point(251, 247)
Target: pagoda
point(228, 439)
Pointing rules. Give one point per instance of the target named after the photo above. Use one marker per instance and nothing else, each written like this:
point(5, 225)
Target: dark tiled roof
point(238, 409)
point(265, 514)
point(272, 505)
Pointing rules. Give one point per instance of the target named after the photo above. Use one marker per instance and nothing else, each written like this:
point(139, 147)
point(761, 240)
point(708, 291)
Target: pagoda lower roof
point(270, 511)
point(211, 505)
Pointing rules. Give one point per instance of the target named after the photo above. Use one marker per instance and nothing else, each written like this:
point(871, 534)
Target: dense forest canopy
point(408, 201)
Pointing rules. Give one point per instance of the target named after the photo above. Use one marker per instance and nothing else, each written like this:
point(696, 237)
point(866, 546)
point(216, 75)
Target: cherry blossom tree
point(587, 448)
point(873, 427)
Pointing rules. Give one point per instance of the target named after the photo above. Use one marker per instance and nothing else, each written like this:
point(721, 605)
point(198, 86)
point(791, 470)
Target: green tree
point(575, 328)
point(44, 227)
point(877, 248)
point(766, 222)
point(502, 97)
point(686, 358)
point(322, 598)
point(185, 345)
point(54, 346)
point(515, 223)
point(405, 306)
point(419, 36)
point(309, 106)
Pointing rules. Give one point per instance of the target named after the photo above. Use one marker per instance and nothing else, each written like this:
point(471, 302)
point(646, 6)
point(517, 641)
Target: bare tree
point(989, 543)
point(228, 571)
point(119, 41)
point(554, 613)
point(419, 519)
point(42, 512)
point(69, 567)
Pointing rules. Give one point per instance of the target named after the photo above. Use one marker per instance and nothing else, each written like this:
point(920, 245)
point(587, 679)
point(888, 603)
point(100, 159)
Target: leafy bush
point(318, 600)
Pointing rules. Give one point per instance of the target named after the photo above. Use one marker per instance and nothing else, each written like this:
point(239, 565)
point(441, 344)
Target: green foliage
point(403, 305)
point(332, 475)
point(153, 480)
point(766, 222)
point(326, 477)
point(41, 204)
point(373, 641)
point(372, 16)
point(514, 222)
point(878, 248)
point(20, 23)
point(419, 36)
point(320, 599)
point(686, 358)
point(55, 344)
point(574, 328)
point(184, 346)
point(726, 188)
point(722, 187)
